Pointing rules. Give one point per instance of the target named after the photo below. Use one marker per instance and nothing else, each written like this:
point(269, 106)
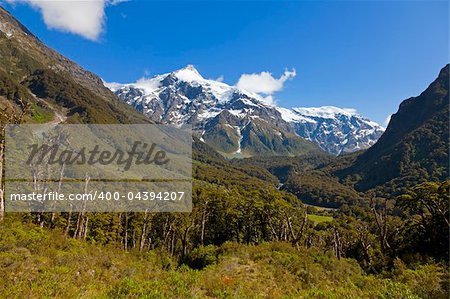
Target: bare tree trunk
point(143, 234)
point(184, 240)
point(273, 231)
point(149, 244)
point(85, 231)
point(118, 231)
point(69, 220)
point(166, 233)
point(77, 227)
point(10, 117)
point(80, 221)
point(172, 244)
point(203, 223)
point(41, 214)
point(144, 231)
point(58, 190)
point(381, 221)
point(337, 245)
point(142, 239)
point(125, 236)
point(296, 237)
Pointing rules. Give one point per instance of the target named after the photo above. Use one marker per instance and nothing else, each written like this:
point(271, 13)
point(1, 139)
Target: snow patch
point(238, 113)
point(290, 116)
point(238, 131)
point(188, 74)
point(325, 111)
point(207, 114)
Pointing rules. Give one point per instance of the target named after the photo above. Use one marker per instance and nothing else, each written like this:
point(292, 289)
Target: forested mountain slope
point(414, 147)
point(412, 150)
point(34, 75)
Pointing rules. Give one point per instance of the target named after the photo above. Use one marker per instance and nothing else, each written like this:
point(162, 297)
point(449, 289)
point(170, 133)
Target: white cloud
point(220, 78)
point(269, 100)
point(81, 17)
point(148, 84)
point(264, 84)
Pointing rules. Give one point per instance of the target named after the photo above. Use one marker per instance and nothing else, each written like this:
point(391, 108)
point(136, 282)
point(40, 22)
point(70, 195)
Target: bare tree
point(366, 244)
point(8, 116)
point(81, 227)
point(205, 214)
point(296, 236)
point(381, 219)
point(144, 230)
point(337, 244)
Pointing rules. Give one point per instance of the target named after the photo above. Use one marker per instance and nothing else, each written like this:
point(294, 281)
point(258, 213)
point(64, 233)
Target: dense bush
point(38, 263)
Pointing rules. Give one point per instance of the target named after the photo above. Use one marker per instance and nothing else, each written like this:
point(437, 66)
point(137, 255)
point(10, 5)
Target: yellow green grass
point(319, 218)
point(41, 115)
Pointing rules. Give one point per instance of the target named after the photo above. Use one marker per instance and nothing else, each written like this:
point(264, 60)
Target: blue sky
point(360, 54)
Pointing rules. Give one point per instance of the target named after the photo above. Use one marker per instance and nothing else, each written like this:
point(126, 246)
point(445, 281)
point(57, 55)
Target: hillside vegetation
point(414, 147)
point(29, 70)
point(37, 263)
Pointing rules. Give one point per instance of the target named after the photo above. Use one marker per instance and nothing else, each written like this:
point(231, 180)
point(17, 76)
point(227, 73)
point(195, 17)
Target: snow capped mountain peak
point(190, 67)
point(334, 129)
point(188, 74)
point(149, 85)
point(230, 118)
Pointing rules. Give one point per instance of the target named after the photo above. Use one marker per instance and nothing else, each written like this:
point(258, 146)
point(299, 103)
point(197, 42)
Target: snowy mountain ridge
point(239, 123)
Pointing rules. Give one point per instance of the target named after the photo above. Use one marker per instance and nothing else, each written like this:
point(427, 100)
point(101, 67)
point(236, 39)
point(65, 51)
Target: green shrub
point(201, 257)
